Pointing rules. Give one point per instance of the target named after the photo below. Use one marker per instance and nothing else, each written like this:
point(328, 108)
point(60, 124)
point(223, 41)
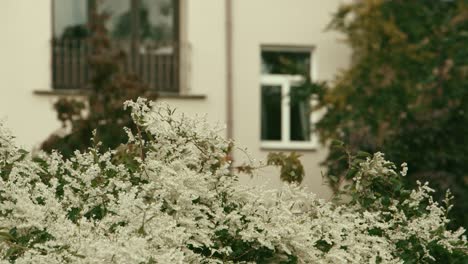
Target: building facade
point(219, 58)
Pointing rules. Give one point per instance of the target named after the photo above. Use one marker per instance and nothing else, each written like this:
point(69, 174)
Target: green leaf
point(337, 143)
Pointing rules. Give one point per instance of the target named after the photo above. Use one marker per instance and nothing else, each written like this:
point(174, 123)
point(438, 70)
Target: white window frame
point(285, 82)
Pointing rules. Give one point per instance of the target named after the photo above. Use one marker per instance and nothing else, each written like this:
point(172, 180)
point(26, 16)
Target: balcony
point(155, 63)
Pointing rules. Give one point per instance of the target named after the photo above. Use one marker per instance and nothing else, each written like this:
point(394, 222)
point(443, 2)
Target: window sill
point(288, 146)
point(79, 92)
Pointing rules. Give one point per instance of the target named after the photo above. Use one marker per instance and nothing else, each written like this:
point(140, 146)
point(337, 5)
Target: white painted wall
point(25, 28)
point(279, 22)
point(205, 28)
point(25, 66)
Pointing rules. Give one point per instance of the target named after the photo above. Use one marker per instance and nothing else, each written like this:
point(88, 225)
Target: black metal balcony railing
point(156, 64)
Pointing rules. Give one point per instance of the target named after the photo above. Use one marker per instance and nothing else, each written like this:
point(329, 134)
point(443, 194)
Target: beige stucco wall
point(25, 28)
point(25, 66)
point(203, 33)
point(279, 22)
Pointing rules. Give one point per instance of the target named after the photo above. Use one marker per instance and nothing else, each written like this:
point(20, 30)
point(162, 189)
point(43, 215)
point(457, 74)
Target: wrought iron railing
point(156, 64)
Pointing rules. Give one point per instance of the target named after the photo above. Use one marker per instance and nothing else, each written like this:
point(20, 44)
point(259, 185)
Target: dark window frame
point(167, 66)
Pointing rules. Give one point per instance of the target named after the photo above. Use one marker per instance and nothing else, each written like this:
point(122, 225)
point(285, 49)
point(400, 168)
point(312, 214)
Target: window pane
point(271, 112)
point(119, 23)
point(157, 20)
point(70, 18)
point(285, 62)
point(300, 116)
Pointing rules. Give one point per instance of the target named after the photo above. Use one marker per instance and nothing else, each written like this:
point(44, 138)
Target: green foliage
point(20, 241)
point(380, 188)
point(291, 167)
point(406, 93)
point(242, 251)
point(101, 110)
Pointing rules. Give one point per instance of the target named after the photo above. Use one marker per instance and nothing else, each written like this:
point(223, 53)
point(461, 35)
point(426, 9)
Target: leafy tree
point(102, 110)
point(406, 92)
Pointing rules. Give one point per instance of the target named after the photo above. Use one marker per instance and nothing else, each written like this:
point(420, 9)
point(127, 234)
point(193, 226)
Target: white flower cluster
point(176, 201)
point(374, 167)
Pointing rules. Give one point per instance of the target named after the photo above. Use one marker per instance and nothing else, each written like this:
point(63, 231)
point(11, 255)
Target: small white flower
point(404, 169)
point(181, 198)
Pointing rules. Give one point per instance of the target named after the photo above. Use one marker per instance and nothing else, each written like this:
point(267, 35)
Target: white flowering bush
point(169, 196)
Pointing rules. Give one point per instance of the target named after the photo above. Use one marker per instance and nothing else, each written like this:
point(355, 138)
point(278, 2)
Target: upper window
point(286, 62)
point(152, 19)
point(70, 19)
point(146, 30)
point(286, 117)
point(141, 19)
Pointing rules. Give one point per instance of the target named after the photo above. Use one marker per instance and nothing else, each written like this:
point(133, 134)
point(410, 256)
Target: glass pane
point(70, 18)
point(157, 20)
point(286, 62)
point(119, 23)
point(271, 112)
point(300, 116)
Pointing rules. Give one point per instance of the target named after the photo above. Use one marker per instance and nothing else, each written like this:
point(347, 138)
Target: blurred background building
point(215, 57)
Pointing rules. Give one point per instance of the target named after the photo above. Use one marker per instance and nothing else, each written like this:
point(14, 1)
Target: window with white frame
point(286, 117)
